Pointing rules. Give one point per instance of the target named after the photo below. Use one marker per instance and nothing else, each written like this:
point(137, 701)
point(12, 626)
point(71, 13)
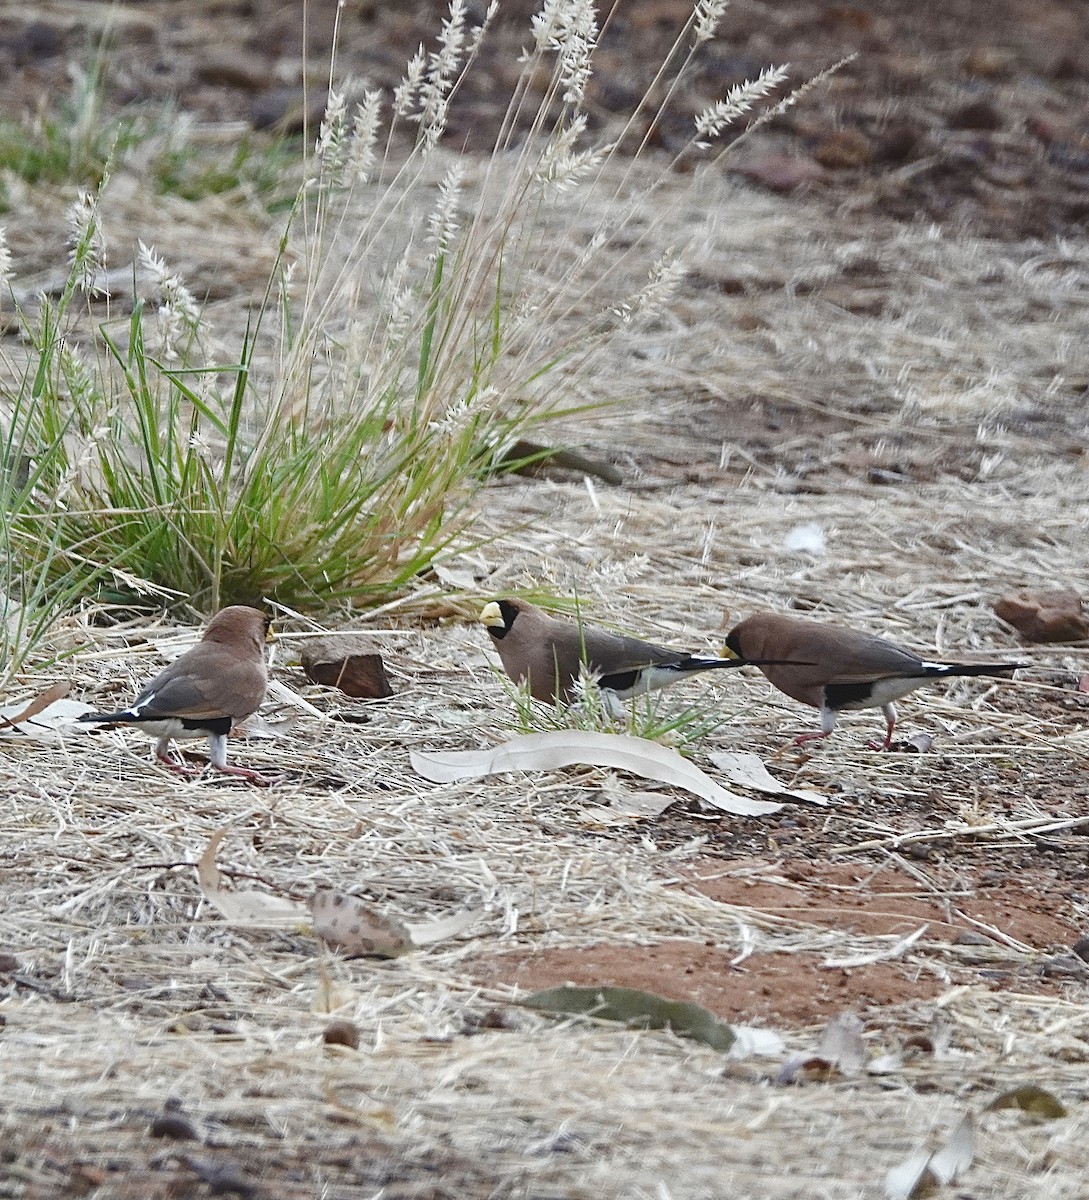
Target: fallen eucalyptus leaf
point(1031, 1099)
point(956, 1156)
point(439, 931)
point(247, 908)
point(35, 706)
point(626, 803)
point(923, 1173)
point(841, 1043)
point(255, 726)
point(59, 715)
point(912, 1179)
point(636, 1009)
point(461, 579)
point(356, 928)
point(750, 1042)
point(748, 770)
point(280, 691)
point(565, 748)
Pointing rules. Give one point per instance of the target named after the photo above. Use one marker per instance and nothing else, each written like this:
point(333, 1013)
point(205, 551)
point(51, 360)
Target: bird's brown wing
point(608, 653)
point(235, 690)
point(865, 658)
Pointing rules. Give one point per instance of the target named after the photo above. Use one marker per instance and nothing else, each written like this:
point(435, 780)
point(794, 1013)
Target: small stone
point(228, 70)
point(8, 964)
point(990, 62)
point(782, 172)
point(493, 1018)
point(174, 1126)
point(844, 150)
point(1045, 615)
point(287, 110)
point(37, 41)
point(977, 115)
point(1063, 966)
point(967, 938)
point(347, 662)
point(1081, 948)
point(341, 1033)
point(883, 477)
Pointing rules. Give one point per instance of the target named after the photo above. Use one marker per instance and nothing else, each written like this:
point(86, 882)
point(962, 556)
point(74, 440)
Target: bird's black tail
point(948, 670)
point(106, 718)
point(698, 662)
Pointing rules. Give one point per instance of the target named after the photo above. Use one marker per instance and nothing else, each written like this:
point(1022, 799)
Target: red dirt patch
point(794, 988)
point(861, 898)
point(782, 989)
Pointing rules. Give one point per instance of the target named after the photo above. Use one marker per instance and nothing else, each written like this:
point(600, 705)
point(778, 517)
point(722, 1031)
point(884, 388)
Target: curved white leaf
point(747, 770)
point(565, 748)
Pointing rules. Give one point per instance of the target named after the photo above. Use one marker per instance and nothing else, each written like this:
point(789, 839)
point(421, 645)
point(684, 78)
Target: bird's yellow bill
point(726, 652)
point(270, 636)
point(491, 615)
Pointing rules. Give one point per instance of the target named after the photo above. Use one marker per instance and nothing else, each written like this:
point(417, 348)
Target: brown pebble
point(341, 1033)
point(781, 172)
point(990, 62)
point(347, 662)
point(496, 1018)
point(901, 142)
point(977, 114)
point(1081, 948)
point(845, 149)
point(174, 1126)
point(228, 70)
point(1045, 614)
point(8, 964)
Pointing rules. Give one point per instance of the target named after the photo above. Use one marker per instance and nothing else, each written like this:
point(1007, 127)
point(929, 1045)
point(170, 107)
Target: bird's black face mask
point(509, 613)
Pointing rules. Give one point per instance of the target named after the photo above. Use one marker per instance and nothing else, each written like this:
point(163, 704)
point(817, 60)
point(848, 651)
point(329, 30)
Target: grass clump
point(71, 140)
point(259, 167)
point(412, 330)
point(648, 716)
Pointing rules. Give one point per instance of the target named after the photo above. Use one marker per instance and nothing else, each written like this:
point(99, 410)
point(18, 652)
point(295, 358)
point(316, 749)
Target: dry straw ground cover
point(932, 446)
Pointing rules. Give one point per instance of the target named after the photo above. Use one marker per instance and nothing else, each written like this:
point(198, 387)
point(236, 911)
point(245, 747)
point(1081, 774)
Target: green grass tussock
point(411, 332)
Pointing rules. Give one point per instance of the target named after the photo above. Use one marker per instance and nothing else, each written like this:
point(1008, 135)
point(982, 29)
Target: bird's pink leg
point(163, 755)
point(890, 724)
point(254, 777)
point(217, 753)
point(828, 724)
point(815, 736)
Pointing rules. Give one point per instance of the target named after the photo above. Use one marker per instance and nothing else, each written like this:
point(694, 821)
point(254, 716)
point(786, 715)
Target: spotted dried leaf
point(355, 928)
